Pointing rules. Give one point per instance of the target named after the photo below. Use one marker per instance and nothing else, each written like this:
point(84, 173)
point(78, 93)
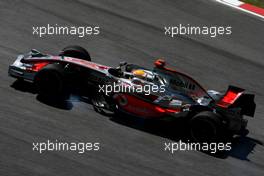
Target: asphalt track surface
point(131, 31)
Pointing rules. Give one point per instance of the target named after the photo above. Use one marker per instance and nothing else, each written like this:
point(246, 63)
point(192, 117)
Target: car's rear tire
point(76, 52)
point(50, 82)
point(206, 126)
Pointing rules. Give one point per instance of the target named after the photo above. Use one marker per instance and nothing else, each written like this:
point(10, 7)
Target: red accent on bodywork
point(167, 110)
point(173, 110)
point(229, 98)
point(159, 109)
point(141, 108)
point(160, 63)
point(37, 66)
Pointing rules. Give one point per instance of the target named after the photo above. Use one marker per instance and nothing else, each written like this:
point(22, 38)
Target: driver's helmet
point(139, 73)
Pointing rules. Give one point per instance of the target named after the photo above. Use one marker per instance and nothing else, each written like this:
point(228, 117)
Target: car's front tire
point(50, 82)
point(76, 52)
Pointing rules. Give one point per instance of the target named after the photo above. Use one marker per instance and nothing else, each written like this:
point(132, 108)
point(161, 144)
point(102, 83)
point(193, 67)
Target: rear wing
point(236, 98)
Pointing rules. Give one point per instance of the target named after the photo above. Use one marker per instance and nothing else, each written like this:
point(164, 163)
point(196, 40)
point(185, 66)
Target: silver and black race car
point(160, 93)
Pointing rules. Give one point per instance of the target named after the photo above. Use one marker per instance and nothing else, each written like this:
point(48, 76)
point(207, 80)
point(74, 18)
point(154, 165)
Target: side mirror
point(122, 63)
point(160, 63)
point(36, 53)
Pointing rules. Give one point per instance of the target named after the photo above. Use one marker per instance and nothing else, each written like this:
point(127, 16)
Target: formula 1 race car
point(159, 93)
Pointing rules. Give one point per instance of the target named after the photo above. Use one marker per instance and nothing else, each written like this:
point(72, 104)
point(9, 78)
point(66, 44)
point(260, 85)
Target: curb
point(254, 10)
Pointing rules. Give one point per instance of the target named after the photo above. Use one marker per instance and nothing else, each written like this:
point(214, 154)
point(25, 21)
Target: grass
point(259, 3)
